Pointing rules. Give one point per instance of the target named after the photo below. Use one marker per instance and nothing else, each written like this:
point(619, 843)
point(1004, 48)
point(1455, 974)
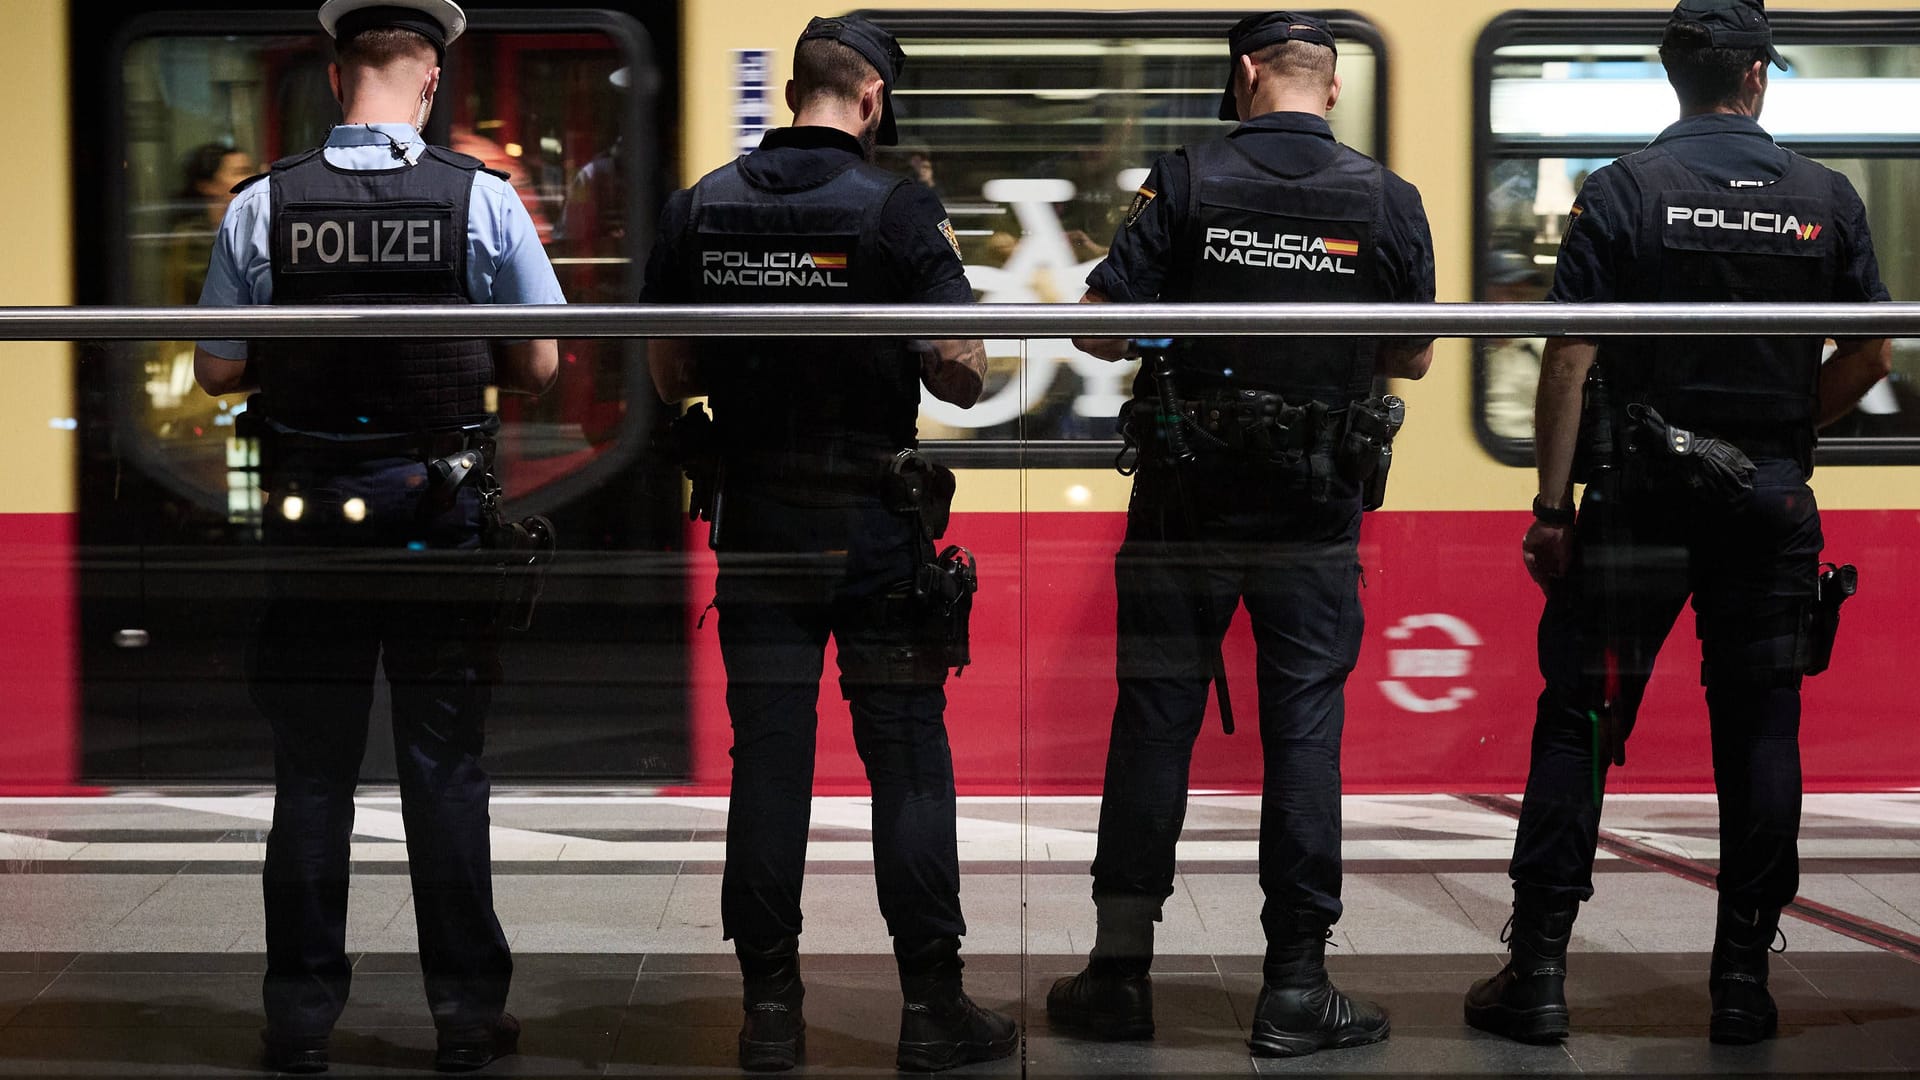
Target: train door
point(170, 504)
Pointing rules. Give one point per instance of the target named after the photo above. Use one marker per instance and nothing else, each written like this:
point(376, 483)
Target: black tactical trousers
point(791, 575)
point(1255, 536)
point(343, 595)
point(1750, 570)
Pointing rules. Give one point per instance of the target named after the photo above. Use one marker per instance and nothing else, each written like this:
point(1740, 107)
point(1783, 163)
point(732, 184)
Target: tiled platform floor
point(130, 941)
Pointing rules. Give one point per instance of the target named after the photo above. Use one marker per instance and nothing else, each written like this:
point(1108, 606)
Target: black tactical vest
point(1701, 241)
point(1256, 235)
point(747, 245)
point(394, 236)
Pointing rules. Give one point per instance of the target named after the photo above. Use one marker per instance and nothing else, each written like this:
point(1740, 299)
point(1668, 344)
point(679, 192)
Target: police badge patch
point(1140, 200)
point(946, 230)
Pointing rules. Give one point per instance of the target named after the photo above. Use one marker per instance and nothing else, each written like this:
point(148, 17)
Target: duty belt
point(417, 445)
point(837, 468)
point(1251, 421)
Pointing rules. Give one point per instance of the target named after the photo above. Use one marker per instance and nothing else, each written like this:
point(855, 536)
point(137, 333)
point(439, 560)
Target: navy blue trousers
point(1751, 571)
point(406, 587)
point(1254, 537)
point(791, 575)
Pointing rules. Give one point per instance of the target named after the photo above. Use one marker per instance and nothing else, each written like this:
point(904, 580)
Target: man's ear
point(1333, 92)
point(333, 80)
point(873, 101)
point(431, 87)
point(1249, 75)
point(793, 99)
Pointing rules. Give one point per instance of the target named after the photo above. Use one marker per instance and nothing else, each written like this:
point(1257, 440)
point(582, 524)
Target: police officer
point(379, 446)
point(1281, 437)
point(819, 533)
point(1696, 454)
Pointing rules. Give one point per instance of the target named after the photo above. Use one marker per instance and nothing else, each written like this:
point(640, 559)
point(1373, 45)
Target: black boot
point(1743, 1009)
point(1527, 1000)
point(774, 1034)
point(940, 1027)
point(1300, 1010)
point(1113, 997)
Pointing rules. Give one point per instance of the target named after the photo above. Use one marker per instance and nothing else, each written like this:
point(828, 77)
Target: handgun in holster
point(693, 444)
point(1366, 446)
point(1837, 584)
point(526, 549)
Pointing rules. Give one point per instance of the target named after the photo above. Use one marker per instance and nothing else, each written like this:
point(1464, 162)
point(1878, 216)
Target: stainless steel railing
point(947, 321)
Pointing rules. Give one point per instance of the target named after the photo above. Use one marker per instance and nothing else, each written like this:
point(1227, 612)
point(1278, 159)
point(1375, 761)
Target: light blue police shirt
point(505, 262)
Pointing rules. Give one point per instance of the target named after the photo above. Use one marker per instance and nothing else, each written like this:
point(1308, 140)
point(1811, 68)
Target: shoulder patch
point(247, 183)
point(1140, 200)
point(501, 173)
point(953, 241)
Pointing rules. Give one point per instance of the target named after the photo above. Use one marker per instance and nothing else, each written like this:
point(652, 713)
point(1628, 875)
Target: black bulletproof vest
point(394, 236)
point(749, 245)
point(1702, 241)
point(1256, 235)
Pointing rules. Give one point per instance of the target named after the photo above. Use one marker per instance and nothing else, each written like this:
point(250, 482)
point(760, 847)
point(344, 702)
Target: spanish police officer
point(823, 527)
point(1256, 457)
point(1695, 453)
point(382, 446)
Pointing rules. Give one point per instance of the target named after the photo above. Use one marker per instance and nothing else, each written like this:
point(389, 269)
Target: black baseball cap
point(1732, 24)
point(876, 47)
point(1256, 32)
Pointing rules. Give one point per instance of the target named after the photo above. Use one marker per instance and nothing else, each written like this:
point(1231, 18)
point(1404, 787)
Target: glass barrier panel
point(1560, 111)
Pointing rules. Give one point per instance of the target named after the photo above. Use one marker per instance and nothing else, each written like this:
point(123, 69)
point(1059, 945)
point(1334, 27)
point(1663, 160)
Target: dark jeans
point(1750, 569)
point(1256, 537)
point(790, 576)
point(343, 595)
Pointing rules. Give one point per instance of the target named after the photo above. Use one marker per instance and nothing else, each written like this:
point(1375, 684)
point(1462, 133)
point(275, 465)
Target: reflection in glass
point(1559, 111)
point(1037, 148)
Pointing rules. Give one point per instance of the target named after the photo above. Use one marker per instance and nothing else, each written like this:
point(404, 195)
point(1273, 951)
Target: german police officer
point(823, 527)
point(375, 445)
point(1255, 457)
point(1695, 453)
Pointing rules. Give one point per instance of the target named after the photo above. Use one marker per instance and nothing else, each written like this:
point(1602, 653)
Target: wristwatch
point(1552, 515)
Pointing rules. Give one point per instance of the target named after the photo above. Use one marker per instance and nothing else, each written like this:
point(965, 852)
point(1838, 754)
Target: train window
point(1036, 129)
point(556, 107)
point(1559, 95)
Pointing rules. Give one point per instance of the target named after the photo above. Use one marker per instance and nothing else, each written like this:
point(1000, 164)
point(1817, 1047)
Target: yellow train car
point(1034, 126)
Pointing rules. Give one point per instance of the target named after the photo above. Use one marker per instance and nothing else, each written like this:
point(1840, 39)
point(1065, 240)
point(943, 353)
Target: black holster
point(1366, 446)
point(1837, 585)
point(694, 445)
point(941, 592)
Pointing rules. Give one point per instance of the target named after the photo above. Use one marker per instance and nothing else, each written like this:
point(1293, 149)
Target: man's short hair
point(382, 46)
point(1703, 76)
point(823, 67)
point(1296, 61)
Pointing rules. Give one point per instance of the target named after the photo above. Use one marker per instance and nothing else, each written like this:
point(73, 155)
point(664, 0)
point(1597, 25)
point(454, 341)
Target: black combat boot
point(1743, 1009)
point(1299, 1009)
point(774, 1034)
point(1113, 998)
point(940, 1027)
point(1527, 1000)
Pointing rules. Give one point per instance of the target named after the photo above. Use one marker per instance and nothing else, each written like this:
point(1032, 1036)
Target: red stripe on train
point(39, 743)
point(1442, 700)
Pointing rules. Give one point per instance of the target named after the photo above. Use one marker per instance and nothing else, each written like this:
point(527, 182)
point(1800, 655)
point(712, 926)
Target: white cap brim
point(445, 12)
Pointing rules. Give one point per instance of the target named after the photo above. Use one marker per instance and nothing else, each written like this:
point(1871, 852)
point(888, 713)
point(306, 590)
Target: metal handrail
point(959, 321)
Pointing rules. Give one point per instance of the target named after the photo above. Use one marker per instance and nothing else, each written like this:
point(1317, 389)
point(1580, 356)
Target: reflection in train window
point(203, 112)
point(1555, 111)
point(1036, 144)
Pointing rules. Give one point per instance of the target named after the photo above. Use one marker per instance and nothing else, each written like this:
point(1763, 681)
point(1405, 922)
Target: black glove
point(1716, 468)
